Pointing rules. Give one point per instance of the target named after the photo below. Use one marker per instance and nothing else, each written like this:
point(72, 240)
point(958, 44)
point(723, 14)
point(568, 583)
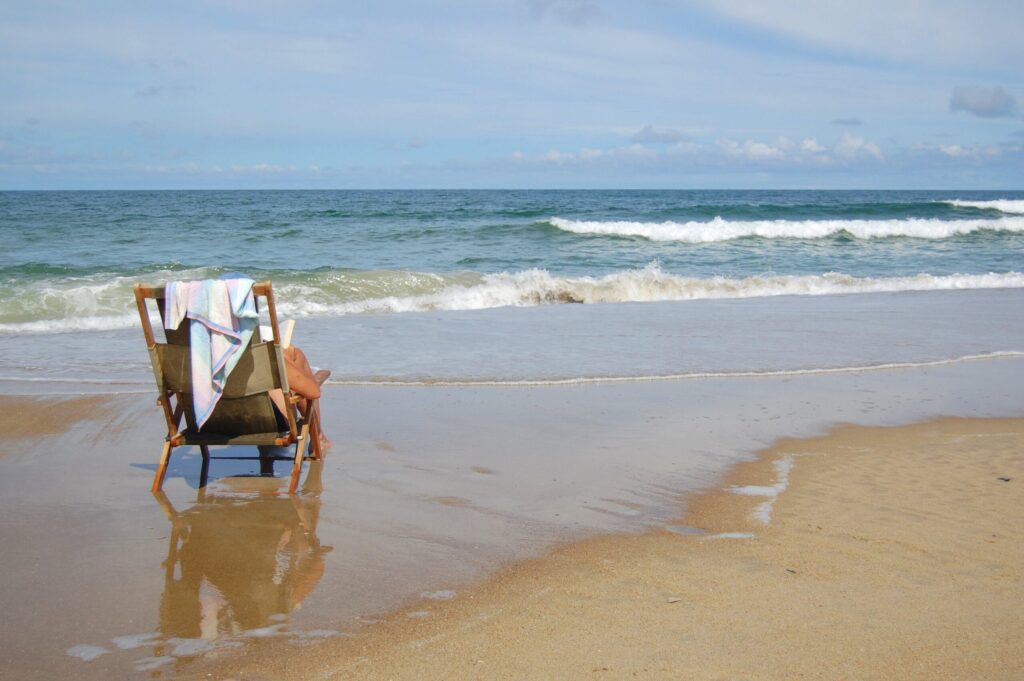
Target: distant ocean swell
point(719, 229)
point(104, 301)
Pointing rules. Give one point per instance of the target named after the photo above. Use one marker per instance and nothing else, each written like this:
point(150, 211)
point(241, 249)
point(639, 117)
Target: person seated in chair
point(304, 382)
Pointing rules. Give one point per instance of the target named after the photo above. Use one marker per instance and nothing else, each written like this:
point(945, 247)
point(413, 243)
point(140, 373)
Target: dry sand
point(893, 554)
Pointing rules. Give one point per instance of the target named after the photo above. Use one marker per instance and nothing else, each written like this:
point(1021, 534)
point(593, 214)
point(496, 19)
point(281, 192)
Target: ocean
point(483, 286)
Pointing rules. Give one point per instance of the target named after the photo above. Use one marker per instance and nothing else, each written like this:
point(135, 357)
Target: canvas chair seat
point(245, 413)
point(192, 437)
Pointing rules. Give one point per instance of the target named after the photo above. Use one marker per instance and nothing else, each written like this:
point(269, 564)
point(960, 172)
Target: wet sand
point(34, 416)
point(892, 553)
point(435, 501)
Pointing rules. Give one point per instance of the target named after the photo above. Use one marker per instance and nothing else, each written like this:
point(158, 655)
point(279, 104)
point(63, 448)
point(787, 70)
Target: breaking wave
point(650, 284)
point(88, 304)
point(718, 229)
point(1002, 205)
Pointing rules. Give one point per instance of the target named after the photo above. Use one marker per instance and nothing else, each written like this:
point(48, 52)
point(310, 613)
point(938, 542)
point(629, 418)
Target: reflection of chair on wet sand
point(236, 564)
point(245, 414)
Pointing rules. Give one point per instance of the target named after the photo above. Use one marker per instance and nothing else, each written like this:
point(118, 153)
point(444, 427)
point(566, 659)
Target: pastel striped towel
point(222, 318)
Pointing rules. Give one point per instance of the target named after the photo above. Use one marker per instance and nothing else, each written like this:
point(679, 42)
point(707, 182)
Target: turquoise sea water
point(350, 262)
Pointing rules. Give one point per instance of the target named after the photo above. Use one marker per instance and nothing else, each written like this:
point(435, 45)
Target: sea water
point(492, 286)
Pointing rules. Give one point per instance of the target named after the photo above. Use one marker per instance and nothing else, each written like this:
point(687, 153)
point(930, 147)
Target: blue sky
point(513, 93)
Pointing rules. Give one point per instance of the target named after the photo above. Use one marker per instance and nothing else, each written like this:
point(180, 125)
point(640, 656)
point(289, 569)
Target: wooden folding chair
point(245, 413)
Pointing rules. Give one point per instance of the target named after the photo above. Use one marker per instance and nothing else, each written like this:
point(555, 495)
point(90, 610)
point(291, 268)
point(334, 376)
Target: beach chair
point(245, 414)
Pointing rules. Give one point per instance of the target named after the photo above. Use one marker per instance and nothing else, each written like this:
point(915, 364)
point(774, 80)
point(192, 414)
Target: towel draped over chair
point(222, 318)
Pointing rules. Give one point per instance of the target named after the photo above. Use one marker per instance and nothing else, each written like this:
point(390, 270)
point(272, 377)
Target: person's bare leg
point(300, 377)
point(303, 381)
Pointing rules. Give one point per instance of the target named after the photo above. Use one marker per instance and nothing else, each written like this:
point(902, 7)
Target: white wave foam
point(763, 511)
point(731, 535)
point(650, 284)
point(103, 301)
point(68, 325)
point(727, 230)
point(1012, 206)
point(526, 289)
point(86, 652)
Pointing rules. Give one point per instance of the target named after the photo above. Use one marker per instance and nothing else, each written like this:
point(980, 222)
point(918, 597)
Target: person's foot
point(325, 444)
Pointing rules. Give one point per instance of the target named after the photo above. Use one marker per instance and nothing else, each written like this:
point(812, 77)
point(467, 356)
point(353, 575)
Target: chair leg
point(161, 468)
point(314, 434)
point(204, 472)
point(300, 451)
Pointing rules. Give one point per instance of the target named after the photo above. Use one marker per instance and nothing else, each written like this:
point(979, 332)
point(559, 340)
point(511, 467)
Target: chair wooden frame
point(261, 369)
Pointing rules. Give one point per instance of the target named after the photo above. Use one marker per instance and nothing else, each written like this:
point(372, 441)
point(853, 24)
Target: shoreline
point(827, 589)
point(570, 344)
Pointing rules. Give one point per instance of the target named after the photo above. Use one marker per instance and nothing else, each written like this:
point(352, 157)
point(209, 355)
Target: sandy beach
point(891, 554)
point(565, 539)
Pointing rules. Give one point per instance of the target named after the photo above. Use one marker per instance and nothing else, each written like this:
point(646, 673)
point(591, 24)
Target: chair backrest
point(245, 406)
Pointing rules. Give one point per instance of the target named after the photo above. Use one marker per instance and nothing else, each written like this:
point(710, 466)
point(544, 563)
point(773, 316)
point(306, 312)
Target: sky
point(654, 94)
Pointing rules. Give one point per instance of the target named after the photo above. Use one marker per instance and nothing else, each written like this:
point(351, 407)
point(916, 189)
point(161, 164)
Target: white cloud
point(977, 152)
point(588, 155)
point(751, 150)
point(811, 145)
point(234, 170)
point(956, 151)
point(849, 150)
point(853, 146)
point(555, 156)
point(263, 169)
